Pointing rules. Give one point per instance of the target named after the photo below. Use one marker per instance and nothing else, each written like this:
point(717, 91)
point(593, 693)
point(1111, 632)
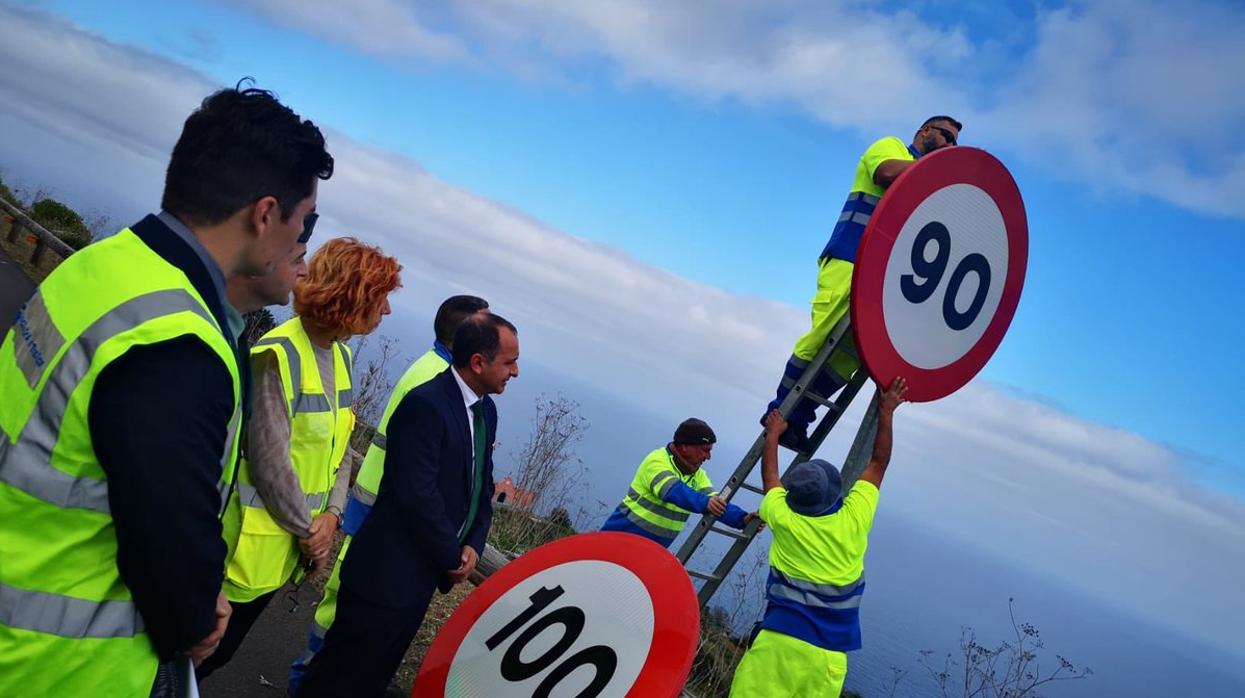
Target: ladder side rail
point(815, 366)
point(862, 446)
point(736, 551)
point(753, 456)
point(727, 563)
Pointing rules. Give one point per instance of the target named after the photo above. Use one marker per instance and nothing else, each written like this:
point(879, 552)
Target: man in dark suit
point(431, 517)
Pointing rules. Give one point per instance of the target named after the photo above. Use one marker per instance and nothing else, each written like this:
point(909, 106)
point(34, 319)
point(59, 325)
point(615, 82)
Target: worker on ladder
point(816, 579)
point(669, 485)
point(880, 165)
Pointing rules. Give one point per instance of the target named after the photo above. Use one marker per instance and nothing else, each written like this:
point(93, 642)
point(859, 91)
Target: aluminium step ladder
point(853, 465)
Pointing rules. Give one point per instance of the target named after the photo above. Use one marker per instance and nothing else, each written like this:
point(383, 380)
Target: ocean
point(922, 587)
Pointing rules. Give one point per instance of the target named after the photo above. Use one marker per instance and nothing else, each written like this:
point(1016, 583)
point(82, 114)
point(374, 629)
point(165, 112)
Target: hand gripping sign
point(939, 272)
point(597, 614)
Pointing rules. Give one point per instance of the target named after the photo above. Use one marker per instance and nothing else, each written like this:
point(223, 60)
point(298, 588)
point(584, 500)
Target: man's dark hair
point(958, 126)
point(479, 334)
point(239, 146)
point(451, 314)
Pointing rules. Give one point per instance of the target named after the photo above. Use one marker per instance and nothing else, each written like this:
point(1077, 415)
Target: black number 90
point(930, 272)
point(571, 618)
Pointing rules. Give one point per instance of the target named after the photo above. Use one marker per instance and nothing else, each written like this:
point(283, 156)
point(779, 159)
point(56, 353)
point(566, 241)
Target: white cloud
point(1142, 97)
point(1103, 508)
point(385, 27)
point(1138, 98)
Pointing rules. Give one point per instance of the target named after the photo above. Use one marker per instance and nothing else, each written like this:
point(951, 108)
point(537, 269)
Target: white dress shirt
point(469, 398)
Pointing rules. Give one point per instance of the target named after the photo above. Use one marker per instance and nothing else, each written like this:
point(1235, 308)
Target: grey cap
point(813, 487)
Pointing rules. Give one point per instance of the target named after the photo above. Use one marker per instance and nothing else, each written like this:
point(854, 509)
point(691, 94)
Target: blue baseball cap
point(813, 487)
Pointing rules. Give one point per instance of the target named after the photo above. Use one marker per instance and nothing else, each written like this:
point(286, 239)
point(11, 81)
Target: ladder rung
point(703, 575)
point(729, 532)
point(824, 402)
point(751, 488)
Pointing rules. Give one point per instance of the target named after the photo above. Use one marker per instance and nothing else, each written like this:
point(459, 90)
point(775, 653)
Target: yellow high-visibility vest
point(264, 555)
point(68, 624)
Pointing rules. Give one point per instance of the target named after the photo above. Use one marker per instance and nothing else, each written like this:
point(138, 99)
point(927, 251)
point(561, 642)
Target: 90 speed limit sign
point(939, 272)
point(597, 614)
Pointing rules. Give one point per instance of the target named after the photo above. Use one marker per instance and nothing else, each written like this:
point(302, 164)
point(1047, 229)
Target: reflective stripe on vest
point(815, 595)
point(645, 505)
point(67, 616)
point(654, 529)
point(824, 615)
point(67, 623)
point(26, 464)
point(264, 553)
point(250, 497)
point(674, 515)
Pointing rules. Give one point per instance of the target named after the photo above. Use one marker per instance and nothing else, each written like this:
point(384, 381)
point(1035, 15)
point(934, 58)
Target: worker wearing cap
point(670, 485)
point(816, 579)
point(879, 166)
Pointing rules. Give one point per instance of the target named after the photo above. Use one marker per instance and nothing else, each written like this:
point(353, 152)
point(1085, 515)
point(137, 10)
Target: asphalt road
point(261, 665)
point(15, 289)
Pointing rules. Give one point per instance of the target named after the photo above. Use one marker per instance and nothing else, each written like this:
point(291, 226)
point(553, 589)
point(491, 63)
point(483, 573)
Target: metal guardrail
point(44, 238)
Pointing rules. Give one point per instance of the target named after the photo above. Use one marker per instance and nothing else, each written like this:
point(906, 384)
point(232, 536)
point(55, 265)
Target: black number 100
point(571, 618)
point(931, 271)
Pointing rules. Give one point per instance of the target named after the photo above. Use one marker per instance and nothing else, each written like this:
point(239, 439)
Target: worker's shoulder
point(429, 360)
point(863, 495)
point(433, 394)
point(887, 144)
point(657, 458)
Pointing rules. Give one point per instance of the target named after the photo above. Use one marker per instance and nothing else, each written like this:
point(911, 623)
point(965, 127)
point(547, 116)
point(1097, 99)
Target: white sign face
point(945, 276)
point(579, 628)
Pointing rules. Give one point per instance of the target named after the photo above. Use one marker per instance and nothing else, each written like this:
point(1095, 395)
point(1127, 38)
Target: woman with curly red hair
point(292, 482)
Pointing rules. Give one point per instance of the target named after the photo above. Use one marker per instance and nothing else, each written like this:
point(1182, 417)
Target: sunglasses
point(309, 224)
point(948, 136)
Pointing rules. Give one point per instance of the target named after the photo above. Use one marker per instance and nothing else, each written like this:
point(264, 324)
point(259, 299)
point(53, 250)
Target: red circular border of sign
point(941, 168)
point(676, 610)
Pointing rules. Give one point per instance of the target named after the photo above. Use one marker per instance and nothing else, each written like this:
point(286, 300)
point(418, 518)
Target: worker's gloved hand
point(717, 506)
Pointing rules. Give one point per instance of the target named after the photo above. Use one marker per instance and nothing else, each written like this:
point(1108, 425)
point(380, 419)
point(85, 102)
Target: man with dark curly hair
point(123, 400)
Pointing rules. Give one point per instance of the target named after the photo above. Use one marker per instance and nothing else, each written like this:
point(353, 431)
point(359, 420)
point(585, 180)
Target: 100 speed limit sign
point(939, 272)
point(597, 614)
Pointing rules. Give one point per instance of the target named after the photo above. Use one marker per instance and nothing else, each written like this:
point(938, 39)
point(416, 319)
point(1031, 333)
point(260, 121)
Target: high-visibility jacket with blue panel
point(68, 622)
point(661, 498)
point(835, 267)
point(816, 579)
point(813, 594)
point(265, 555)
point(362, 496)
point(863, 198)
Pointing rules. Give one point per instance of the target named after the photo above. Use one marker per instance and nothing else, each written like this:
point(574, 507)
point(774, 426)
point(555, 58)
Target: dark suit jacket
point(409, 541)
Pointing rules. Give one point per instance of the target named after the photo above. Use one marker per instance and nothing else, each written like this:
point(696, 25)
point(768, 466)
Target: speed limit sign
point(597, 614)
point(939, 272)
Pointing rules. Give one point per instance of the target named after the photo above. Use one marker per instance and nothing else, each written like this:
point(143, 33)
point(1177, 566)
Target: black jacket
point(158, 418)
point(409, 541)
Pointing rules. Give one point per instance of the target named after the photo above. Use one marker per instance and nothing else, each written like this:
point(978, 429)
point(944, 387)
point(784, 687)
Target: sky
point(643, 187)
